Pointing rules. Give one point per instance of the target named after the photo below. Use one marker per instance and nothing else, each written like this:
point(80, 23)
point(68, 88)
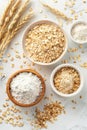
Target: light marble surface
point(74, 119)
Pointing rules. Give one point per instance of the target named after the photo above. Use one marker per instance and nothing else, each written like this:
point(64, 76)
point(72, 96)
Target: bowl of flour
point(78, 32)
point(25, 88)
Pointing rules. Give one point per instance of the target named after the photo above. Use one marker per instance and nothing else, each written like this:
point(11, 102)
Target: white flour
point(25, 87)
point(79, 32)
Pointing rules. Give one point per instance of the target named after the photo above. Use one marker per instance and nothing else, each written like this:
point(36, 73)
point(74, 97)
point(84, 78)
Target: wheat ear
point(57, 12)
point(6, 12)
point(8, 18)
point(10, 36)
point(18, 15)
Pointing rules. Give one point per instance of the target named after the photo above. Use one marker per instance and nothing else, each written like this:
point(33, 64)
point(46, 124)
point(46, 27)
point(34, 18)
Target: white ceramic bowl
point(74, 24)
point(60, 93)
point(32, 26)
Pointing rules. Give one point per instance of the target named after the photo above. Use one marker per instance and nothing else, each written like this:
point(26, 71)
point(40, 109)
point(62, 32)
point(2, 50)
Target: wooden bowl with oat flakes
point(39, 97)
point(44, 43)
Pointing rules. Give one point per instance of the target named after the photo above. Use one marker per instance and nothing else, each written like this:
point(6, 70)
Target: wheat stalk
point(18, 15)
point(8, 18)
point(57, 12)
point(10, 35)
point(6, 12)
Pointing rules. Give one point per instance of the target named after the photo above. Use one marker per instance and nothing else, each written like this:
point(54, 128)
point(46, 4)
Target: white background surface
point(72, 118)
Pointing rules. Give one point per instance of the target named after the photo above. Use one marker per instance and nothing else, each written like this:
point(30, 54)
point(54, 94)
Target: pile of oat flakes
point(45, 43)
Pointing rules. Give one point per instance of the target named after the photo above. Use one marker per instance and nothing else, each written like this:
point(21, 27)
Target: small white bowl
point(60, 93)
point(38, 23)
point(72, 26)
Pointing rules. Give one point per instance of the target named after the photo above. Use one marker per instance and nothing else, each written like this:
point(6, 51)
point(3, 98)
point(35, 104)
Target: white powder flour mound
point(25, 87)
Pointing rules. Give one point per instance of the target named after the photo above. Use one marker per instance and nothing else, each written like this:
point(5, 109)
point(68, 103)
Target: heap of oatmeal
point(11, 114)
point(45, 43)
point(49, 113)
point(67, 80)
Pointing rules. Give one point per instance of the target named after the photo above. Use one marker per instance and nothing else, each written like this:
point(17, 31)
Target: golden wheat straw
point(10, 35)
point(18, 15)
point(8, 18)
point(6, 13)
point(57, 12)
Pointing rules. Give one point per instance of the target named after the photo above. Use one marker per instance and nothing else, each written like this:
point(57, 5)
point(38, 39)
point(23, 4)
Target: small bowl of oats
point(66, 80)
point(44, 42)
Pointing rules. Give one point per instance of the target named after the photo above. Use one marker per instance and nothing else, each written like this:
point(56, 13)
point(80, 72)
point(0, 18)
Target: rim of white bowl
point(60, 93)
point(77, 22)
point(41, 22)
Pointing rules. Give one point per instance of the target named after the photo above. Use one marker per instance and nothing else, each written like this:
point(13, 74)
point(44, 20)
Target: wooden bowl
point(41, 93)
point(39, 23)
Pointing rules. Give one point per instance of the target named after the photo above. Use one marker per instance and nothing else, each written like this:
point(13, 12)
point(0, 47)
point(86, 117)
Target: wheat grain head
point(19, 13)
point(10, 36)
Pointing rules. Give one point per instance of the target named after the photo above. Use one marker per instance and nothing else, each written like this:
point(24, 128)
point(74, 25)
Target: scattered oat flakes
point(73, 101)
point(12, 65)
point(84, 1)
point(64, 61)
point(33, 64)
point(73, 49)
point(23, 55)
point(82, 51)
point(11, 48)
point(12, 59)
point(5, 60)
point(80, 46)
point(1, 74)
point(18, 56)
point(73, 107)
point(84, 65)
point(65, 8)
point(21, 124)
point(26, 112)
point(16, 52)
point(16, 43)
point(8, 55)
point(51, 94)
point(70, 4)
point(5, 105)
point(39, 68)
point(1, 68)
point(49, 113)
point(7, 99)
point(10, 115)
point(81, 13)
point(21, 66)
point(76, 17)
point(0, 121)
point(24, 62)
point(72, 12)
point(46, 98)
point(80, 97)
point(74, 61)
